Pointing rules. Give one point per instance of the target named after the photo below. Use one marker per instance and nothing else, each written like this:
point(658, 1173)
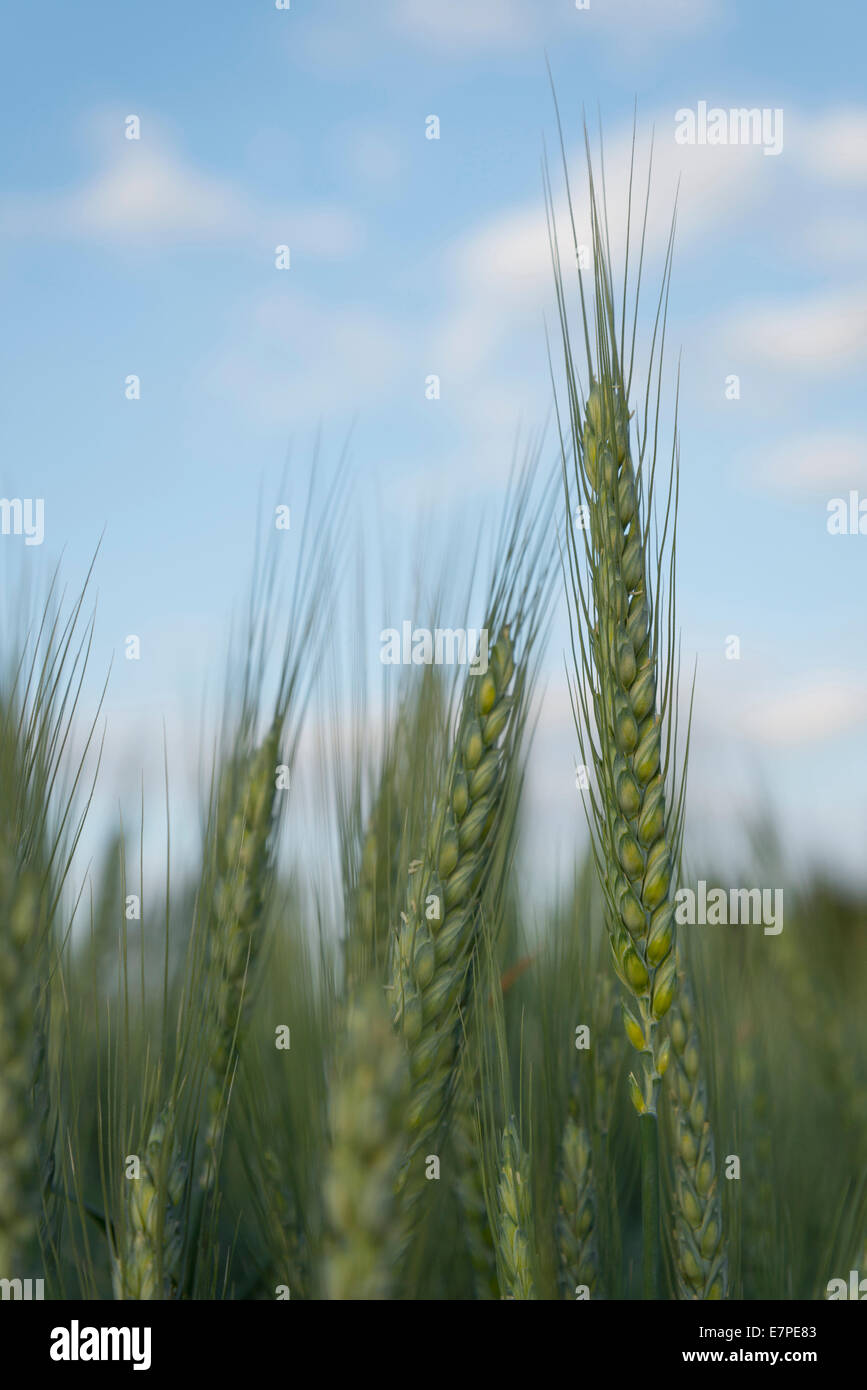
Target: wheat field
point(405, 1071)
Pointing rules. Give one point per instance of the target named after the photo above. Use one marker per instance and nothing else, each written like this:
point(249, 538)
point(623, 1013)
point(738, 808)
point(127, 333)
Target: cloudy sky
point(305, 126)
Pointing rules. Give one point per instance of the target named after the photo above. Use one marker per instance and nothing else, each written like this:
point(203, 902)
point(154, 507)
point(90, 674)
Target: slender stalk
point(649, 1129)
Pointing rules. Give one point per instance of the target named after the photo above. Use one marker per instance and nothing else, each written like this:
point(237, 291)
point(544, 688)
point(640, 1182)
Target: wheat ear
point(515, 1254)
point(434, 943)
point(38, 831)
point(634, 834)
point(148, 1264)
point(701, 1262)
point(576, 1213)
point(366, 1121)
point(246, 817)
point(623, 689)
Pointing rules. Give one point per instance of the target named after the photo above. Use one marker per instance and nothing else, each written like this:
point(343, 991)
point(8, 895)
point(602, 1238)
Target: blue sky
point(411, 256)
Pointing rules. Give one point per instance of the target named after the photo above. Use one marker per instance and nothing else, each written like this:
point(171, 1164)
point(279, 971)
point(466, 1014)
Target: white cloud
point(147, 195)
point(372, 153)
point(288, 358)
point(465, 24)
point(831, 703)
point(508, 258)
point(834, 145)
point(812, 463)
point(820, 333)
point(468, 26)
point(151, 196)
point(835, 237)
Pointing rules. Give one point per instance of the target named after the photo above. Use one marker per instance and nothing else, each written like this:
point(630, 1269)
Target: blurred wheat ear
point(149, 1265)
point(364, 1237)
point(250, 782)
point(41, 818)
point(471, 824)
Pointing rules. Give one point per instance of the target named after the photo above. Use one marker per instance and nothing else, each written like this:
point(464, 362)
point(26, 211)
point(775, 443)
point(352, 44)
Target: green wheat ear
point(515, 1251)
point(247, 816)
point(635, 836)
point(435, 941)
point(625, 667)
point(148, 1264)
point(576, 1212)
point(39, 828)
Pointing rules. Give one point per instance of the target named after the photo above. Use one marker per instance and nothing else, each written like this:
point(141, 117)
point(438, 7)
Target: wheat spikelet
point(434, 943)
point(699, 1245)
point(515, 1255)
point(366, 1121)
point(148, 1264)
